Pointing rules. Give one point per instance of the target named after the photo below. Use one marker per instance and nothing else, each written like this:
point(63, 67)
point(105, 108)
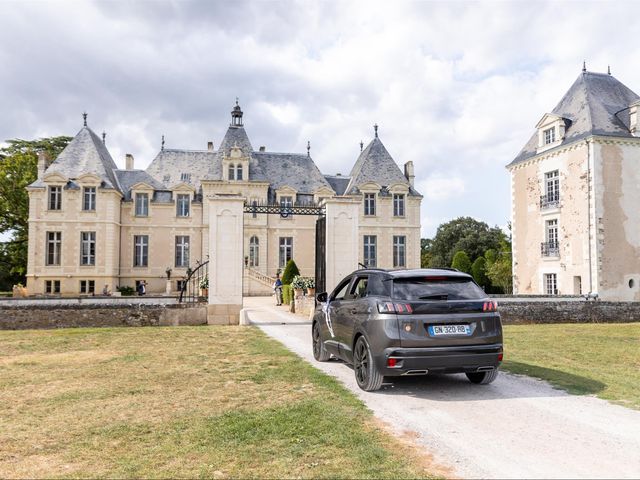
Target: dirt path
point(517, 427)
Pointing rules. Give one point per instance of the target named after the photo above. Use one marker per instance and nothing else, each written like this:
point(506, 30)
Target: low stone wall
point(514, 310)
point(26, 315)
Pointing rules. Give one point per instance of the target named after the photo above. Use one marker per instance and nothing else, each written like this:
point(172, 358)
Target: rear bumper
point(468, 358)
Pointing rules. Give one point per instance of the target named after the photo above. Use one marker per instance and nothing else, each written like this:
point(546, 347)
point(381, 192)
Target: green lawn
point(181, 402)
point(600, 359)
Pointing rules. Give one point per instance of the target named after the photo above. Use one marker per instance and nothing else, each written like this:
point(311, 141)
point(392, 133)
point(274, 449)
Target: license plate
point(437, 330)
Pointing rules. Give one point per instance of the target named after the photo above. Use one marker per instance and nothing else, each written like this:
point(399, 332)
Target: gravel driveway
point(517, 427)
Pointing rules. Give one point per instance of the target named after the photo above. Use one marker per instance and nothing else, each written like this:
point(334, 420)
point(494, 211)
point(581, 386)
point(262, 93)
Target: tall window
point(140, 250)
point(182, 251)
point(87, 286)
point(55, 198)
point(89, 198)
point(551, 283)
point(232, 172)
point(370, 258)
point(552, 232)
point(552, 186)
point(142, 204)
point(239, 172)
point(286, 203)
point(369, 203)
point(182, 205)
point(52, 286)
point(254, 251)
point(286, 251)
point(399, 251)
point(398, 205)
point(54, 247)
point(549, 135)
point(88, 248)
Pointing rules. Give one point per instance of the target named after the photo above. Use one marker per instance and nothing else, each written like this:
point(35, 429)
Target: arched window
point(232, 170)
point(254, 251)
point(239, 172)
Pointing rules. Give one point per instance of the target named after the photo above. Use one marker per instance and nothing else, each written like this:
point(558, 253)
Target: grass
point(600, 359)
point(182, 403)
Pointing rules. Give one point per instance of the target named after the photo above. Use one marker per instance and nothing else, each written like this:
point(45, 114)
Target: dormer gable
point(183, 188)
point(634, 118)
point(141, 187)
point(551, 131)
point(89, 179)
point(55, 178)
point(235, 166)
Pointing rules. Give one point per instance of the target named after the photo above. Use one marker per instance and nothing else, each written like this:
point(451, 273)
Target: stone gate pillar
point(226, 222)
point(342, 239)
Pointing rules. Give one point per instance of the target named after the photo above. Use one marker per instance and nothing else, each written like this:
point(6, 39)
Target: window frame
point(90, 253)
point(53, 249)
point(549, 135)
point(254, 251)
point(182, 251)
point(139, 203)
point(369, 204)
point(180, 205)
point(551, 283)
point(399, 205)
point(52, 287)
point(399, 251)
point(87, 287)
point(142, 242)
point(54, 198)
point(367, 248)
point(286, 202)
point(90, 194)
point(285, 244)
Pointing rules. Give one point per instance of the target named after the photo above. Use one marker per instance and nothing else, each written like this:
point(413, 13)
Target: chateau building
point(575, 190)
point(92, 224)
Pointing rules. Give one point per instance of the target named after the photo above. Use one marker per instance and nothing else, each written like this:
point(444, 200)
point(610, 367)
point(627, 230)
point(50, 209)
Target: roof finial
point(361, 145)
point(84, 117)
point(236, 100)
point(308, 148)
point(375, 129)
point(609, 69)
point(104, 137)
point(584, 66)
point(162, 146)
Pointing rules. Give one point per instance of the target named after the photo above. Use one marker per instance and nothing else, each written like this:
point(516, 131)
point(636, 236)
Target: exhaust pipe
point(416, 372)
point(485, 369)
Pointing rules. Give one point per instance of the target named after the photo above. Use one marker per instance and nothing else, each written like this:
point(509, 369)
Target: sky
point(455, 87)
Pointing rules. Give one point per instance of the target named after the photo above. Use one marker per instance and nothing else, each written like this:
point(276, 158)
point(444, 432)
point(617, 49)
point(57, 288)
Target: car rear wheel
point(367, 375)
point(319, 352)
point(483, 378)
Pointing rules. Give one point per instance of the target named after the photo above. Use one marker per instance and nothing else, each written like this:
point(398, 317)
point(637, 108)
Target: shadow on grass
point(574, 384)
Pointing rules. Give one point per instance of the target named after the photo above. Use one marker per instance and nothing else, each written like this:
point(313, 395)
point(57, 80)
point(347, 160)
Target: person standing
point(277, 289)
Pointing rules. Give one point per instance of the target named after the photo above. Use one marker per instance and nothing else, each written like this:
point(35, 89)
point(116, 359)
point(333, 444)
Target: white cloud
point(438, 187)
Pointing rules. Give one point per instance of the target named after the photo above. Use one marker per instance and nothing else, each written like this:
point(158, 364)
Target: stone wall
point(22, 315)
point(520, 311)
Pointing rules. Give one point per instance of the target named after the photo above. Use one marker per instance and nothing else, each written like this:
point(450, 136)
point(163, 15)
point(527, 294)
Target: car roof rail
point(447, 268)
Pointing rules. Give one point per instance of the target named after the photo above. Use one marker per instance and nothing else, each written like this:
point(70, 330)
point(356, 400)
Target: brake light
point(399, 308)
point(391, 362)
point(500, 357)
point(489, 307)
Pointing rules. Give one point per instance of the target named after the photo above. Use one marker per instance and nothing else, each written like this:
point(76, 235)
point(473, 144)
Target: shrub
point(290, 271)
point(286, 294)
point(126, 291)
point(479, 272)
point(461, 262)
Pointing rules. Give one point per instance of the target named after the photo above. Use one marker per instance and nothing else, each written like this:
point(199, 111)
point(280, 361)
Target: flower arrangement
point(204, 283)
point(298, 282)
point(309, 282)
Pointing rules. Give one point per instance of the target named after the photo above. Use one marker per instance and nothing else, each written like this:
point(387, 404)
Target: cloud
point(456, 87)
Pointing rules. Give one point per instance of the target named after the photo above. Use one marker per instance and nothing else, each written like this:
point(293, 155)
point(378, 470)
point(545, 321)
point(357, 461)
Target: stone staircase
point(257, 283)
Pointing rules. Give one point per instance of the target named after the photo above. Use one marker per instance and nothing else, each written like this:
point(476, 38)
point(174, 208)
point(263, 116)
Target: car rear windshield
point(436, 288)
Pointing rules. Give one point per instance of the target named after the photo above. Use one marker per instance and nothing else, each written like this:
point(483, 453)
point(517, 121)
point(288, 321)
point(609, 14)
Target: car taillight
point(489, 307)
point(399, 308)
point(500, 356)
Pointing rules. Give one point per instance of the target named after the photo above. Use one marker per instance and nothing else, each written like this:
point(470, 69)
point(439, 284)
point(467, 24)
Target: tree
point(290, 271)
point(500, 272)
point(478, 270)
point(464, 233)
point(18, 168)
point(461, 262)
point(425, 254)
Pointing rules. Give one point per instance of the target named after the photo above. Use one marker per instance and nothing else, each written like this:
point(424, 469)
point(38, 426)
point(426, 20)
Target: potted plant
point(310, 285)
point(204, 286)
point(298, 285)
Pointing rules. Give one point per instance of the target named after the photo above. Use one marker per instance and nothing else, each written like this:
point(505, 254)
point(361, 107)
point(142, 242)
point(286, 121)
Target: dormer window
point(232, 172)
point(235, 172)
point(182, 205)
point(549, 135)
point(55, 198)
point(239, 172)
point(185, 177)
point(89, 199)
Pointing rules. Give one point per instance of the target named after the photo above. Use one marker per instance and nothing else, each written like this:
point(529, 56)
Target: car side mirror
point(322, 297)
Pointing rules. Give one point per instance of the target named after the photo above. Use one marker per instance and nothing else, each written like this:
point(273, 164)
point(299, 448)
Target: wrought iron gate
point(321, 259)
point(195, 287)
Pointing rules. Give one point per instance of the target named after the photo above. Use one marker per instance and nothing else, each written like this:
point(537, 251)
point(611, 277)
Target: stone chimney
point(129, 162)
point(263, 148)
point(408, 172)
point(210, 146)
point(43, 163)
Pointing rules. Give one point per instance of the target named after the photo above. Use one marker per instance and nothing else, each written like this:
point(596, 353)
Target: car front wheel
point(319, 352)
point(367, 375)
point(483, 378)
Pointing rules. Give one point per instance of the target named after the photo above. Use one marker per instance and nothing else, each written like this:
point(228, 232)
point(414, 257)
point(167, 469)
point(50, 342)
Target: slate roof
point(235, 135)
point(339, 183)
point(590, 105)
point(295, 170)
point(85, 154)
point(128, 178)
point(169, 165)
point(375, 164)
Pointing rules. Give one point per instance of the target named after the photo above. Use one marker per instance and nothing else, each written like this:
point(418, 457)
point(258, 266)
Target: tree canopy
point(466, 234)
point(461, 262)
point(18, 168)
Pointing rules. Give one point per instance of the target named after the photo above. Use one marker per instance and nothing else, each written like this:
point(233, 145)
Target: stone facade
point(540, 311)
point(92, 224)
point(575, 190)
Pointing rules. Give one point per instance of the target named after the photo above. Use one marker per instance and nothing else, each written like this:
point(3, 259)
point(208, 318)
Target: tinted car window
point(440, 288)
point(359, 288)
point(342, 290)
point(379, 285)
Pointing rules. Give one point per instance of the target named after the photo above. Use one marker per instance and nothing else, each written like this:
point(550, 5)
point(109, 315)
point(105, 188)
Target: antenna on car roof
point(362, 265)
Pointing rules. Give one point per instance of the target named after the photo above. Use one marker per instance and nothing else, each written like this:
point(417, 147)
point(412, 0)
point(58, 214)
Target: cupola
point(236, 115)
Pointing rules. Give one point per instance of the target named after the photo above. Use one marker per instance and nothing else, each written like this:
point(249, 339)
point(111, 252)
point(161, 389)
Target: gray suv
point(409, 322)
